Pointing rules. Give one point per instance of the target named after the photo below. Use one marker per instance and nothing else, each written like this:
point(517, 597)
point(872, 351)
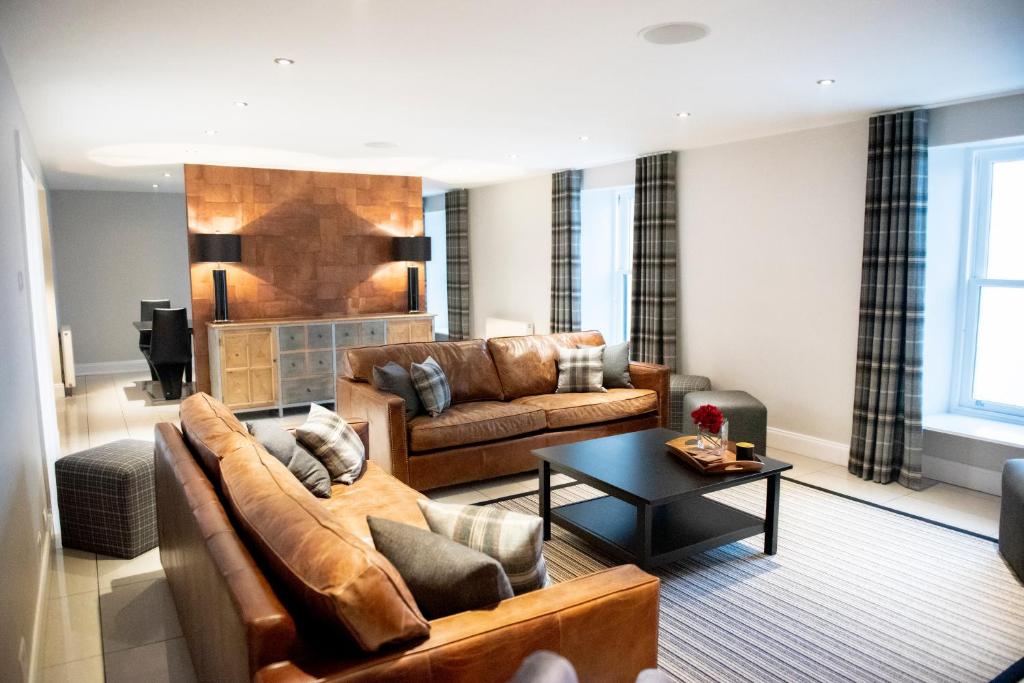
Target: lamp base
point(220, 294)
point(413, 289)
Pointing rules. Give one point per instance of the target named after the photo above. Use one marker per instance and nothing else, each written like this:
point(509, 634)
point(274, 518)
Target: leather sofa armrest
point(606, 624)
point(385, 414)
point(655, 377)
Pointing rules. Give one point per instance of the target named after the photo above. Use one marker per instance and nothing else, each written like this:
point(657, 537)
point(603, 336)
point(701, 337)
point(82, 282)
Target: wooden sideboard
point(267, 364)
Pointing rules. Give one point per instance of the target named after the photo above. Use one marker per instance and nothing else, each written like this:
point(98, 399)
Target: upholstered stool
point(748, 418)
point(1011, 516)
point(106, 499)
point(678, 387)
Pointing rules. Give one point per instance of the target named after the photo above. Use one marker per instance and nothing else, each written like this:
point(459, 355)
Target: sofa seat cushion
point(375, 493)
point(475, 422)
point(574, 410)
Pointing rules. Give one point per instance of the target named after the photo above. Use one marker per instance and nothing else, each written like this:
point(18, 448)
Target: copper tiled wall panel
point(313, 243)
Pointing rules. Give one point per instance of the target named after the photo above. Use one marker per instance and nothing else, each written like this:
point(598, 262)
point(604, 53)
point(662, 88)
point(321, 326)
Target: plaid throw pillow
point(580, 370)
point(516, 541)
point(334, 443)
point(431, 385)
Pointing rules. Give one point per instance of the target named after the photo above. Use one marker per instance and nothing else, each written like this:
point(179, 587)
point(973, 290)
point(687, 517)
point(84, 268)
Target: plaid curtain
point(652, 333)
point(887, 432)
point(565, 250)
point(456, 218)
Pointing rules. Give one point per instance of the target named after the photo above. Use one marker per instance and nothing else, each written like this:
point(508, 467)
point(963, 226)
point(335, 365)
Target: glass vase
point(713, 442)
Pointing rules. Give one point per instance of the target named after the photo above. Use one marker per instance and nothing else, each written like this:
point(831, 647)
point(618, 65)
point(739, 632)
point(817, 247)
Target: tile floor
point(114, 620)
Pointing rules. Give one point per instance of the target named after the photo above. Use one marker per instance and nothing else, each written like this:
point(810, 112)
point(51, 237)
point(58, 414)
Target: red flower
point(708, 417)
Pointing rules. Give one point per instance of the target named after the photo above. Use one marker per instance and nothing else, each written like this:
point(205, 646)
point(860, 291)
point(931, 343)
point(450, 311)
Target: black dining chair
point(170, 350)
point(146, 315)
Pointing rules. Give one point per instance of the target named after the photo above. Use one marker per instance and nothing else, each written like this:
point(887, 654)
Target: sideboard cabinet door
point(248, 369)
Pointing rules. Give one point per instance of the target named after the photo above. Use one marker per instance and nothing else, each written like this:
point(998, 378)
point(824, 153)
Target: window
point(992, 291)
point(437, 266)
point(606, 256)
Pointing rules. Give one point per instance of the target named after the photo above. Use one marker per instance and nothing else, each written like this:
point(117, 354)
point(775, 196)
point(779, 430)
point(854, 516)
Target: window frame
point(973, 279)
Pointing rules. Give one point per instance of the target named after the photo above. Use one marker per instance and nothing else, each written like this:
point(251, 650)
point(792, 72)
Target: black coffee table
point(655, 511)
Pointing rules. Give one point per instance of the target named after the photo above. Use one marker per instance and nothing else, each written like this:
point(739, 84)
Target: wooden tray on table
point(685, 448)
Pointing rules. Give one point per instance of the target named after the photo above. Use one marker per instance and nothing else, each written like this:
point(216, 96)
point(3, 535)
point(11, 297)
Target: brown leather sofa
point(504, 406)
point(222, 501)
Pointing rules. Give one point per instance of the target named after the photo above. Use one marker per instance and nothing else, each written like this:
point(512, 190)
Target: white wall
point(510, 252)
point(770, 258)
point(112, 249)
point(23, 501)
point(992, 119)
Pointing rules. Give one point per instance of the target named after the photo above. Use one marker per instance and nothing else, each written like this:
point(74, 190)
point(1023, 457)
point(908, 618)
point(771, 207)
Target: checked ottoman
point(106, 499)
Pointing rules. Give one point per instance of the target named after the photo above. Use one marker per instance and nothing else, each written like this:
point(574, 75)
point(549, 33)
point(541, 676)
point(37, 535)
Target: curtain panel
point(456, 217)
point(565, 250)
point(652, 333)
point(887, 434)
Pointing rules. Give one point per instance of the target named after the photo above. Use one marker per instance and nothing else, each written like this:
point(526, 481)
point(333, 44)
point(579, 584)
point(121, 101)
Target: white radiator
point(499, 327)
point(67, 359)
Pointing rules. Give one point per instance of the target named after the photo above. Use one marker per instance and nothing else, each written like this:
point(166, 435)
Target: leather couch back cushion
point(467, 365)
point(212, 432)
point(341, 583)
point(528, 366)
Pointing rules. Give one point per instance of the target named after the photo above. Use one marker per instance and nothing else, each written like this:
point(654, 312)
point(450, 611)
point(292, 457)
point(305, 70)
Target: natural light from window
point(606, 236)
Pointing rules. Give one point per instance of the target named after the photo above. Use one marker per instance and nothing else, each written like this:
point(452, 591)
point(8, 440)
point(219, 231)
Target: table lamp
point(219, 248)
point(412, 249)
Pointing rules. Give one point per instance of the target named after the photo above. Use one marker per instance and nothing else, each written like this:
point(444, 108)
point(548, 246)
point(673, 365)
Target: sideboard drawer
point(307, 389)
point(320, 363)
point(292, 337)
point(319, 337)
point(373, 333)
point(293, 364)
point(346, 334)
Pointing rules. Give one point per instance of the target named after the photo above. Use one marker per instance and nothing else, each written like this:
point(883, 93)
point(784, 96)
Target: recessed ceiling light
point(674, 33)
point(241, 105)
point(167, 175)
point(380, 144)
point(584, 138)
point(155, 186)
point(283, 61)
point(210, 131)
point(682, 114)
point(513, 156)
point(827, 81)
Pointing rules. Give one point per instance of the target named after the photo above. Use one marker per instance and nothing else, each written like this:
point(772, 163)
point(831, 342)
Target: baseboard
point(960, 474)
point(112, 367)
point(810, 446)
point(42, 600)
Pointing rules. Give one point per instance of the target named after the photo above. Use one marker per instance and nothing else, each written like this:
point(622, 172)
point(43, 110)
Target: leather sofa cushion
point(212, 432)
point(573, 410)
point(341, 584)
point(528, 366)
point(475, 422)
point(467, 365)
point(375, 493)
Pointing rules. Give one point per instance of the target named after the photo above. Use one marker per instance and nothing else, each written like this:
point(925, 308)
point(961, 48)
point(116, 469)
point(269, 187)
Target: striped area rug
point(855, 593)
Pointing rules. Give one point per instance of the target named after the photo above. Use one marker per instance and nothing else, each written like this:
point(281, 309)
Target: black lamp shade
point(412, 249)
point(218, 248)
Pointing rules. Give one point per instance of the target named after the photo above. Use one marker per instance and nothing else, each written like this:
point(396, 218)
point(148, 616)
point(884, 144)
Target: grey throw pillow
point(616, 367)
point(444, 577)
point(395, 379)
point(283, 446)
point(431, 385)
point(580, 370)
point(334, 443)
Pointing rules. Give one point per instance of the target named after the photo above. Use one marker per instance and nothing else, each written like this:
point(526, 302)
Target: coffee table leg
point(771, 515)
point(643, 535)
point(544, 496)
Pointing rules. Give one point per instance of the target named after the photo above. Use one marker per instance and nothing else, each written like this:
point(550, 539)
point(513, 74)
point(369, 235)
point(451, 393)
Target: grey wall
point(112, 249)
point(992, 119)
point(23, 500)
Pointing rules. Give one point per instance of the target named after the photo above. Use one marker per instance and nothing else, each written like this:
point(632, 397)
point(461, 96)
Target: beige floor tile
point(71, 572)
point(72, 629)
point(113, 571)
point(463, 494)
point(953, 505)
point(164, 662)
point(802, 465)
point(513, 485)
point(836, 478)
point(88, 670)
point(137, 614)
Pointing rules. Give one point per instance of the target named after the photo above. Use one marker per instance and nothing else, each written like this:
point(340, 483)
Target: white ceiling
point(119, 92)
